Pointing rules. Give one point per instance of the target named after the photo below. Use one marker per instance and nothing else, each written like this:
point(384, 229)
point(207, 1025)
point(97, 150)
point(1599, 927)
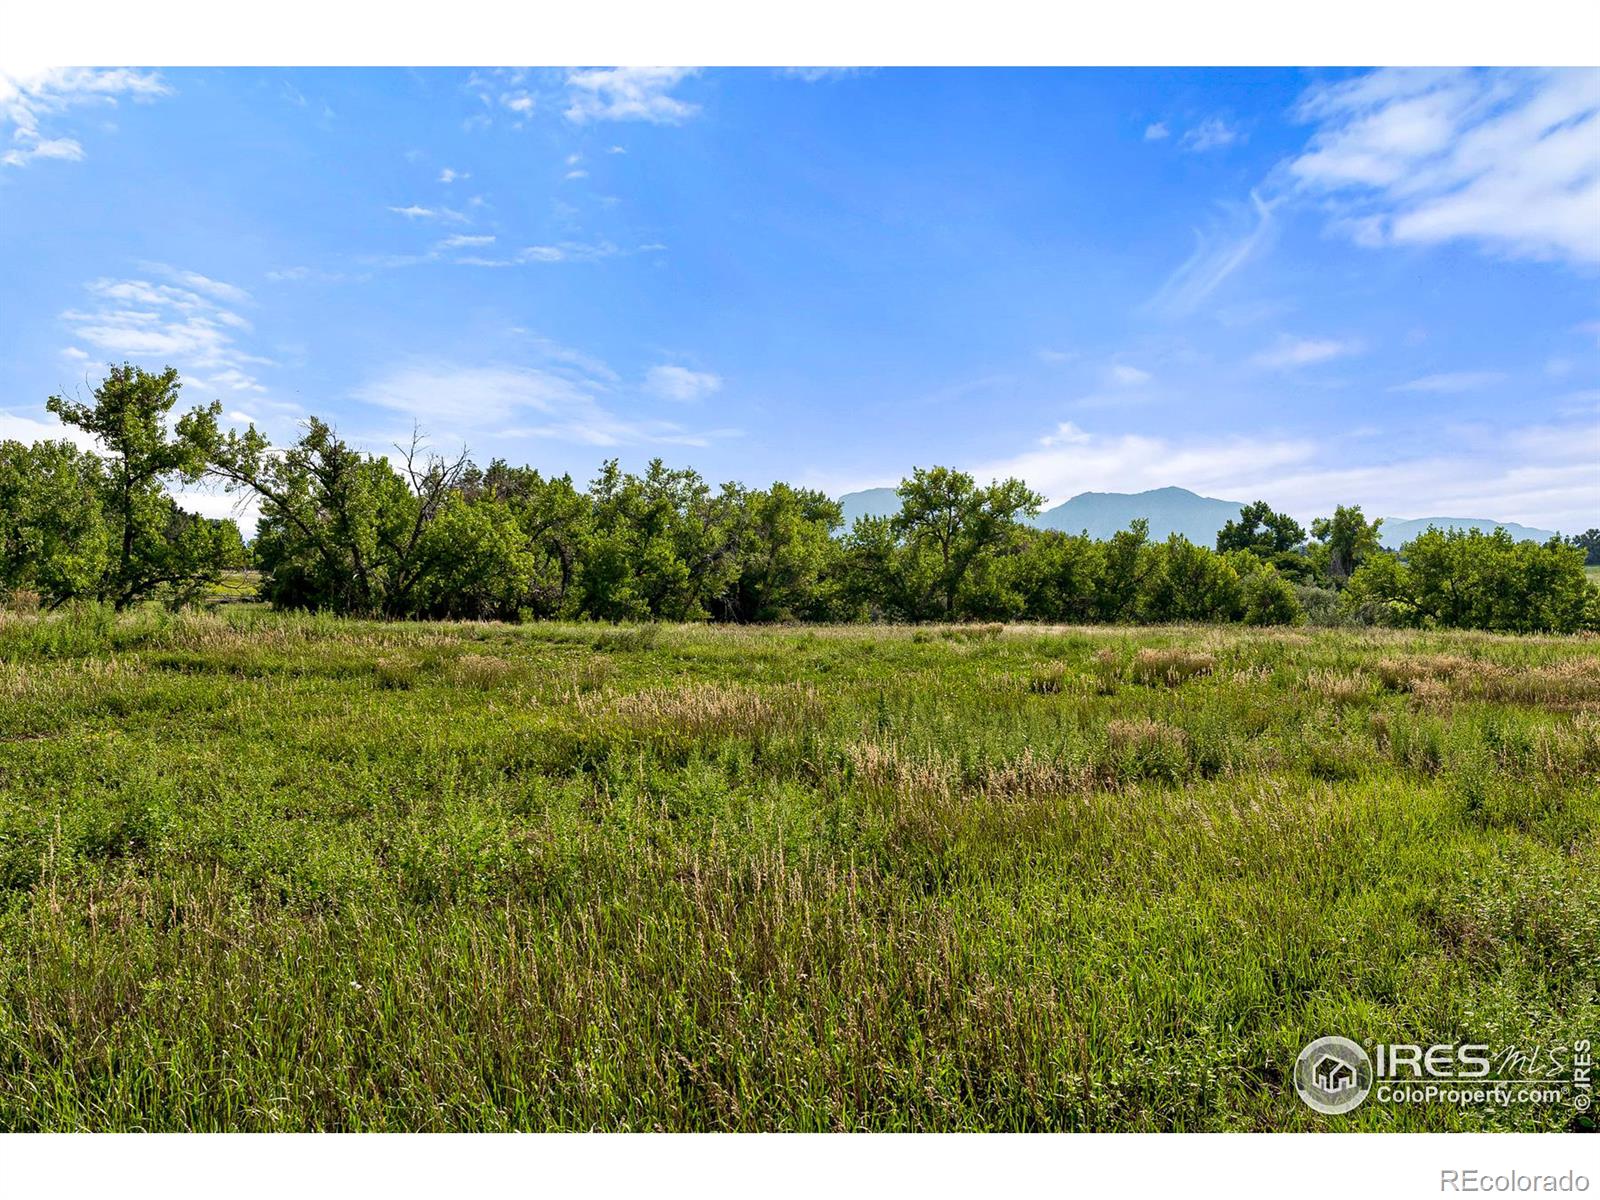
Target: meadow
point(287, 872)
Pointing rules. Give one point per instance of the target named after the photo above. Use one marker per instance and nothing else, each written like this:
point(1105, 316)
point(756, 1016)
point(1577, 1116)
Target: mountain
point(1171, 510)
point(1397, 529)
point(874, 502)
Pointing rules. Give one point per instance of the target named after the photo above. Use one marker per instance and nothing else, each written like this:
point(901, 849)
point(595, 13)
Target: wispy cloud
point(818, 74)
point(681, 384)
point(489, 404)
point(1157, 132)
point(628, 94)
point(1507, 159)
point(1218, 253)
point(160, 324)
point(450, 175)
point(29, 98)
point(1451, 382)
point(1211, 134)
point(1303, 351)
point(1127, 376)
point(419, 212)
point(215, 288)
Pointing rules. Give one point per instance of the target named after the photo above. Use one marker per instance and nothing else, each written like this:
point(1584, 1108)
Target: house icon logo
point(1333, 1075)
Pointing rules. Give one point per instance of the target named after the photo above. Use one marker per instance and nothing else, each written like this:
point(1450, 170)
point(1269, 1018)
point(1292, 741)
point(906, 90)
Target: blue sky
point(1310, 286)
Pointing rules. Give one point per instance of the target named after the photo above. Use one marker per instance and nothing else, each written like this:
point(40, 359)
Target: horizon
point(1311, 286)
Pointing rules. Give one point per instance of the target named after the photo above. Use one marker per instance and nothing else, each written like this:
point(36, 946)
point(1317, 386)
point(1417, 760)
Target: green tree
point(1127, 563)
point(340, 529)
point(1261, 531)
point(1060, 576)
point(52, 532)
point(1347, 540)
point(945, 512)
point(477, 563)
point(128, 417)
point(1589, 542)
point(1185, 582)
point(1468, 579)
point(1269, 599)
point(784, 547)
point(555, 521)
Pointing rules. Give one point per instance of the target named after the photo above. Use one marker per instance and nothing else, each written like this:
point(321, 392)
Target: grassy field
point(270, 872)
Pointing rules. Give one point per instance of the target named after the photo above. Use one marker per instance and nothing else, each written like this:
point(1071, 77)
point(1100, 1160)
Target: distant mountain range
point(1172, 510)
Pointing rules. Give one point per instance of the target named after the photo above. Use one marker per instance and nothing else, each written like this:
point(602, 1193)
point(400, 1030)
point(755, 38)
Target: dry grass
point(1171, 667)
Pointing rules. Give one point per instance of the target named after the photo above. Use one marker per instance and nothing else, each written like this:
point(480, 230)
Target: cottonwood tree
point(1347, 540)
point(947, 513)
point(150, 547)
point(1261, 531)
point(340, 529)
point(52, 531)
point(783, 549)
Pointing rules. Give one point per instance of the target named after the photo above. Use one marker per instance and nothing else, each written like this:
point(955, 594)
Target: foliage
point(1467, 579)
point(945, 514)
point(414, 534)
point(1589, 542)
point(53, 535)
point(1345, 541)
point(153, 546)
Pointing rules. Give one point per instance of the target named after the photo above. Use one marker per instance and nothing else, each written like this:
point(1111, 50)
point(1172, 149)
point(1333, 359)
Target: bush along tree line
point(417, 535)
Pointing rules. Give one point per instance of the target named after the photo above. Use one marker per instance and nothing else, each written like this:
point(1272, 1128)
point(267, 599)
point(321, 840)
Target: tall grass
point(275, 872)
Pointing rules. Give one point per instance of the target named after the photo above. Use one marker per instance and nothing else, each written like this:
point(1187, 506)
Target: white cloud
point(1071, 460)
point(1218, 253)
point(568, 252)
point(215, 288)
point(817, 74)
point(160, 324)
point(27, 98)
point(1507, 159)
point(46, 428)
point(1156, 132)
point(64, 149)
point(417, 212)
point(209, 500)
point(450, 175)
point(681, 384)
point(75, 354)
point(520, 103)
point(1301, 352)
point(1451, 381)
point(1541, 475)
point(1210, 134)
point(628, 94)
point(578, 174)
point(1127, 376)
point(457, 241)
point(558, 400)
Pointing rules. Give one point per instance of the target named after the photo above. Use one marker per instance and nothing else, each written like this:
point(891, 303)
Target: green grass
point(274, 872)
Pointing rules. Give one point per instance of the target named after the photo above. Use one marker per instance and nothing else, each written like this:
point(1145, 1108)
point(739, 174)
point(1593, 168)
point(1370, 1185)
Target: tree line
point(418, 535)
